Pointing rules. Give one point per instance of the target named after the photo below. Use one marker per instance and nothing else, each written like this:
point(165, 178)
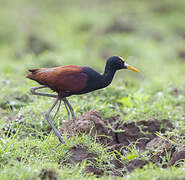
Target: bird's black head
point(116, 62)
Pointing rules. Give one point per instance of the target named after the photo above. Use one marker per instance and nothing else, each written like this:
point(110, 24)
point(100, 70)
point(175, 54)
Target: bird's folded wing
point(64, 78)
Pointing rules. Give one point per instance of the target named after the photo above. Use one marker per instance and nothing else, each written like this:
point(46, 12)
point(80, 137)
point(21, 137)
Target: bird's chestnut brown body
point(64, 79)
point(67, 80)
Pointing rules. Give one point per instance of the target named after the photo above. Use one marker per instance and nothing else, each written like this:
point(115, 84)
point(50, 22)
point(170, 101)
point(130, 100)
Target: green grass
point(77, 33)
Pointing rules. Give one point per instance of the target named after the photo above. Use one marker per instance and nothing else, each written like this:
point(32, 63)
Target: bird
point(71, 80)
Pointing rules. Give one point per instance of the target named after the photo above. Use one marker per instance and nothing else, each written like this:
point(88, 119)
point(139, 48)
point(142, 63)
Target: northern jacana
point(73, 80)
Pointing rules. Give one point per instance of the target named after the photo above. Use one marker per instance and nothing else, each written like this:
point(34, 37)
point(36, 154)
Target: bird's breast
point(94, 80)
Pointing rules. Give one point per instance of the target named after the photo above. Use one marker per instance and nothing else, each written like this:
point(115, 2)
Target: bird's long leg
point(67, 110)
point(34, 89)
point(50, 122)
point(71, 110)
point(58, 108)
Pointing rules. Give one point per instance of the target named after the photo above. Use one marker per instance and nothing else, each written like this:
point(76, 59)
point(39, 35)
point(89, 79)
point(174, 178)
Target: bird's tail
point(33, 70)
point(32, 73)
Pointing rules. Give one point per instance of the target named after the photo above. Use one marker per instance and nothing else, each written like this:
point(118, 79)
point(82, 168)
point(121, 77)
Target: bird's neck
point(107, 76)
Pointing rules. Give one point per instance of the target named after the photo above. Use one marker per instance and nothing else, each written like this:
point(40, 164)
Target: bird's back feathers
point(64, 78)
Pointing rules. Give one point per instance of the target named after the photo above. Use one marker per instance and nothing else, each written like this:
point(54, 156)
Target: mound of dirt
point(89, 123)
point(178, 156)
point(118, 138)
point(79, 153)
point(158, 149)
point(140, 133)
point(136, 163)
point(47, 174)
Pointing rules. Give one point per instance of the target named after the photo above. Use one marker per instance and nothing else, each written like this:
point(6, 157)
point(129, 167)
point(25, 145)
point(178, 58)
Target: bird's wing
point(64, 78)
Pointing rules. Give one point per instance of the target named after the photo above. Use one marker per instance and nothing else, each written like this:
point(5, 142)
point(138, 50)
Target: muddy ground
point(122, 139)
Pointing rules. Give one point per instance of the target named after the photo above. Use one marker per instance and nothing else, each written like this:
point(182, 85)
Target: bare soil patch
point(47, 174)
point(118, 137)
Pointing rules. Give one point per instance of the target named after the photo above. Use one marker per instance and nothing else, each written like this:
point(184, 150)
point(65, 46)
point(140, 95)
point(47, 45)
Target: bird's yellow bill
point(132, 68)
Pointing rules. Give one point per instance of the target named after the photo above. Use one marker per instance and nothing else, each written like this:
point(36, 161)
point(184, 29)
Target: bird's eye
point(121, 61)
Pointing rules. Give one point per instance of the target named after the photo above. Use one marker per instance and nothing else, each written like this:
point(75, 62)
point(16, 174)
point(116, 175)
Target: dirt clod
point(136, 163)
point(178, 156)
point(117, 163)
point(79, 153)
point(47, 174)
point(138, 133)
point(158, 148)
point(90, 118)
point(89, 122)
point(94, 170)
